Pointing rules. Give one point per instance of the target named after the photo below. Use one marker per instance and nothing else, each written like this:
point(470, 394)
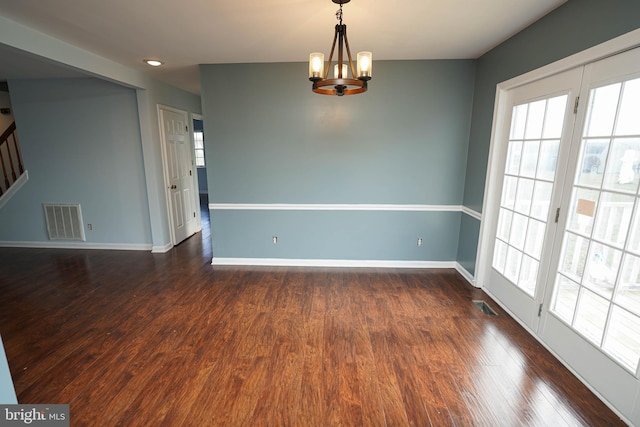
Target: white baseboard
point(286, 262)
point(78, 245)
point(468, 276)
point(161, 249)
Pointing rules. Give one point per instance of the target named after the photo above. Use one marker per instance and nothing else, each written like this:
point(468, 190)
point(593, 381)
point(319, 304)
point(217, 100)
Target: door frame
point(196, 184)
point(165, 166)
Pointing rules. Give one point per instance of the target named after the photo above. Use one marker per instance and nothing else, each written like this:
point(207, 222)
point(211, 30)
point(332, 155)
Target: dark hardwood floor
point(134, 338)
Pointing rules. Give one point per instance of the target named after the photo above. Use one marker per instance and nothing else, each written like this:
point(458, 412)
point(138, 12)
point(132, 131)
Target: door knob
point(173, 187)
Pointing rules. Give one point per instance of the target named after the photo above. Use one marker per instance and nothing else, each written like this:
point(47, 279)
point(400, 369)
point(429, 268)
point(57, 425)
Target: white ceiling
point(186, 33)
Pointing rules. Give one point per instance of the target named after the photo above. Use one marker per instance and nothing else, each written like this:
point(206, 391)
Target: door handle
point(173, 187)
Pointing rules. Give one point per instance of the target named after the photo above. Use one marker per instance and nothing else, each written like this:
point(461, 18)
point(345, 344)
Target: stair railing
point(10, 158)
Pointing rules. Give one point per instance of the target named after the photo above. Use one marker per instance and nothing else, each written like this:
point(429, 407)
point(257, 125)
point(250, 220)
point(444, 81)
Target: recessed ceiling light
point(153, 62)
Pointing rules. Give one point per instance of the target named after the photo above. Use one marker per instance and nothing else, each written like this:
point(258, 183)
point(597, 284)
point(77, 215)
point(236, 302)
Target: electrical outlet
point(274, 239)
point(89, 227)
point(419, 241)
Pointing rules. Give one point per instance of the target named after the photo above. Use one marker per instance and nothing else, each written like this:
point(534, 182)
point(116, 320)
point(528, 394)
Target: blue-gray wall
point(269, 139)
point(7, 392)
point(468, 243)
point(573, 27)
point(202, 181)
point(80, 141)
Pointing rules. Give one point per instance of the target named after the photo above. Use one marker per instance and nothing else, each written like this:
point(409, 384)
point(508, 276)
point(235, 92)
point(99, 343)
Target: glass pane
point(593, 160)
point(554, 118)
point(199, 158)
point(535, 237)
point(518, 121)
point(628, 290)
point(513, 158)
point(628, 122)
point(623, 338)
point(524, 196)
point(512, 266)
point(198, 141)
point(613, 218)
point(518, 231)
point(591, 315)
point(541, 200)
point(634, 240)
point(535, 119)
point(548, 160)
point(621, 173)
point(583, 210)
point(504, 224)
point(530, 158)
point(565, 297)
point(574, 256)
point(500, 256)
point(603, 104)
point(509, 192)
point(602, 268)
point(528, 275)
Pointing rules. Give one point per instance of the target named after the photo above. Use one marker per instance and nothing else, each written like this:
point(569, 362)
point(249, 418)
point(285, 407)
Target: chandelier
point(340, 84)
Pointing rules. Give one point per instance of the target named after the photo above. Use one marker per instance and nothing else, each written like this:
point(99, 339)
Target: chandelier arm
point(340, 50)
point(346, 43)
point(333, 48)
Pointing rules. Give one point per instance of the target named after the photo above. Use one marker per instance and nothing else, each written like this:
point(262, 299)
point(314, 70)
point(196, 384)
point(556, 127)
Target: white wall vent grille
point(64, 222)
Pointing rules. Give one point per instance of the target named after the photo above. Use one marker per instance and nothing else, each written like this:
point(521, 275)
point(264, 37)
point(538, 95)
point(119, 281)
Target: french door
point(565, 230)
point(594, 298)
point(537, 135)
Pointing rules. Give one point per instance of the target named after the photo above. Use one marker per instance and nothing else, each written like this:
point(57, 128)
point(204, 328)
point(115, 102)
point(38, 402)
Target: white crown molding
point(77, 245)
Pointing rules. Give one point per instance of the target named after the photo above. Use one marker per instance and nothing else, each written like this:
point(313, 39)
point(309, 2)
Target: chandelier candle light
point(340, 84)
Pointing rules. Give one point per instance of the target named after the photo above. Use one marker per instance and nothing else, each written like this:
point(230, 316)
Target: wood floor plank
point(140, 339)
point(313, 308)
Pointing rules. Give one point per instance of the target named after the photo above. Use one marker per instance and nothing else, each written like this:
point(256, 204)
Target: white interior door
point(536, 136)
point(178, 173)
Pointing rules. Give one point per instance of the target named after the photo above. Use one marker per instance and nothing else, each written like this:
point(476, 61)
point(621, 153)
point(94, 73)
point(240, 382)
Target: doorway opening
point(201, 170)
